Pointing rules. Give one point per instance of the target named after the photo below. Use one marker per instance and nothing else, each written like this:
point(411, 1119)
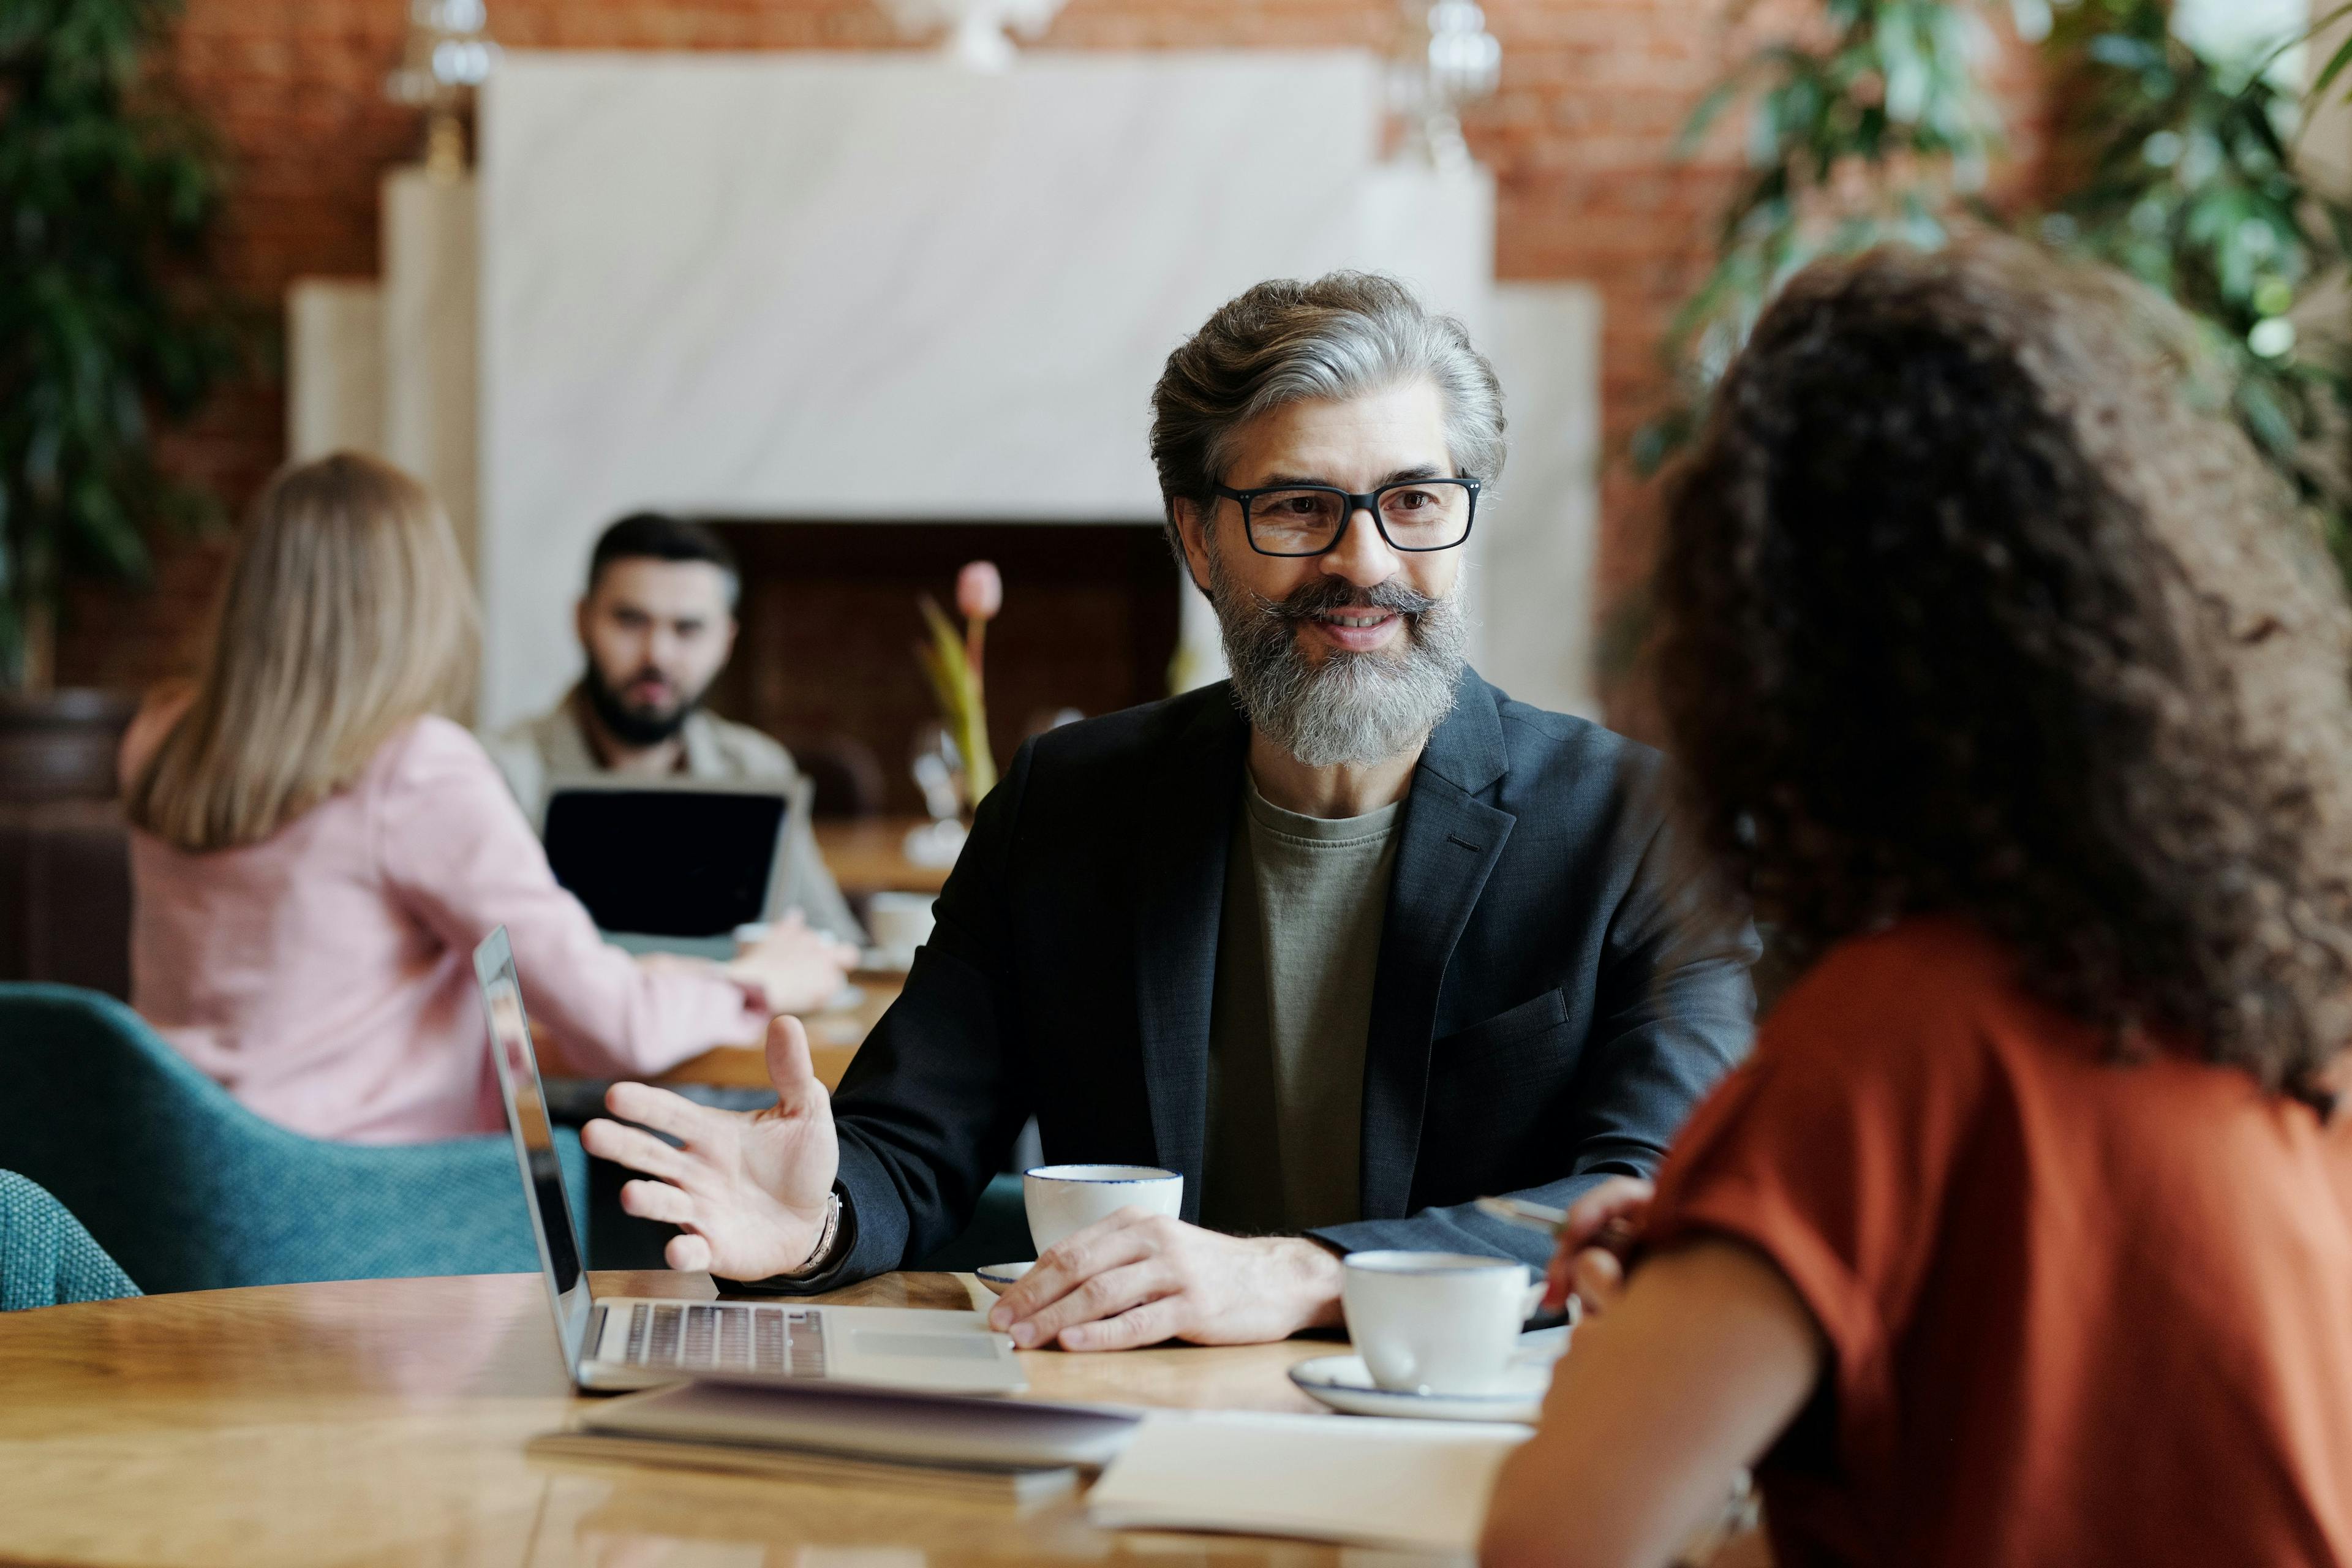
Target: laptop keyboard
point(729, 1336)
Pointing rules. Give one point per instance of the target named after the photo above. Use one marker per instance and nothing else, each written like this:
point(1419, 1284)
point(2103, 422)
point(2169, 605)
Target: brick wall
point(1579, 138)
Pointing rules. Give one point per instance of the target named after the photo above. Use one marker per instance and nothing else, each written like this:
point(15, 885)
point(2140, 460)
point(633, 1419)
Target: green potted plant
point(2175, 160)
point(110, 197)
point(2182, 168)
point(1868, 125)
point(1865, 120)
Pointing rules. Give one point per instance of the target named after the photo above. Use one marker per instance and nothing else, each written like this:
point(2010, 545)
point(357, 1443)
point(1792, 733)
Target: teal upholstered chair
point(189, 1191)
point(46, 1258)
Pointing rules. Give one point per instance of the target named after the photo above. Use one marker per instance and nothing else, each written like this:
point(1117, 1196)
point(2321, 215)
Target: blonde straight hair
point(347, 614)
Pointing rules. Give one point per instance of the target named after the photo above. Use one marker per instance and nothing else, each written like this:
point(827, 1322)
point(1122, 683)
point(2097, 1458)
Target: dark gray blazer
point(1543, 1014)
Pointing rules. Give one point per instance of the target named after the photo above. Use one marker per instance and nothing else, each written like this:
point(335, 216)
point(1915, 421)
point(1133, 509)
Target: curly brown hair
point(1976, 603)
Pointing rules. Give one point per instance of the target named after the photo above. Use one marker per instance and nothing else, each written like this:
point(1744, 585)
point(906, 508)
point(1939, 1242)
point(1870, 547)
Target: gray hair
point(1284, 342)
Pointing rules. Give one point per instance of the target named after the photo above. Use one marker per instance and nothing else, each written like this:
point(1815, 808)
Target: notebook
point(1024, 1486)
point(1361, 1481)
point(874, 1424)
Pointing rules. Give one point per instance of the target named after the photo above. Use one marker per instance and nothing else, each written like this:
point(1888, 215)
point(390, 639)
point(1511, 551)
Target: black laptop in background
point(671, 868)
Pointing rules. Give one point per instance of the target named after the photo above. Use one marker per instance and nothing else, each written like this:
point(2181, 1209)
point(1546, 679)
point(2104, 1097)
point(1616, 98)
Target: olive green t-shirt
point(1297, 947)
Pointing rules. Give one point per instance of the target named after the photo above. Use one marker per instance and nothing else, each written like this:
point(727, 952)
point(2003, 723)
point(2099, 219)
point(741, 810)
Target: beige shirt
point(1297, 948)
point(539, 755)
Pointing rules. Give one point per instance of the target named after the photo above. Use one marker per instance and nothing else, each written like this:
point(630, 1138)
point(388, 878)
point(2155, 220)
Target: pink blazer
point(324, 975)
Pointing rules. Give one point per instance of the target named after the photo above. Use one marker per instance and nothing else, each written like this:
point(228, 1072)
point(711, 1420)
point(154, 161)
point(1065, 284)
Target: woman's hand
point(1589, 1262)
point(793, 969)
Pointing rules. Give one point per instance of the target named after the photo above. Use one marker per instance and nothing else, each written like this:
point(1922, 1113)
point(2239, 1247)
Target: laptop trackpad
point(908, 1342)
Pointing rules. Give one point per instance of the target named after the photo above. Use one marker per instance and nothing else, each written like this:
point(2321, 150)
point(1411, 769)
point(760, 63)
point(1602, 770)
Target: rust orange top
point(2077, 1311)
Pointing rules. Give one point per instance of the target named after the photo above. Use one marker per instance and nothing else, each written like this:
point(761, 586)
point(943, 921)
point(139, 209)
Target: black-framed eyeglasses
point(1309, 520)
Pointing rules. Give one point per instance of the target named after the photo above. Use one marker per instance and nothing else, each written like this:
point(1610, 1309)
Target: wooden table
point(868, 855)
point(833, 1038)
point(381, 1421)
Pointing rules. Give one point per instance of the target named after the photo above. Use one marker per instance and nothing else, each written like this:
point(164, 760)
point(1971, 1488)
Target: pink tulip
point(980, 590)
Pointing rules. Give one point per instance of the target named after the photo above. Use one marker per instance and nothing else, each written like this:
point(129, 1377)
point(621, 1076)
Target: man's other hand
point(1589, 1259)
point(1137, 1279)
point(748, 1188)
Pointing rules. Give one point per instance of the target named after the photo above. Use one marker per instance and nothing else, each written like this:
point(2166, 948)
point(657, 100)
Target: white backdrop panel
point(811, 285)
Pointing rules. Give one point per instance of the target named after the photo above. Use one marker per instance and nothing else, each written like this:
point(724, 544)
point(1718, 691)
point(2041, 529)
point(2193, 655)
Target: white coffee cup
point(1436, 1322)
point(1066, 1198)
point(899, 922)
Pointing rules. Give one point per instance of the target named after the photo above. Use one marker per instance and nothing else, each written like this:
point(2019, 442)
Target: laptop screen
point(534, 1142)
point(665, 862)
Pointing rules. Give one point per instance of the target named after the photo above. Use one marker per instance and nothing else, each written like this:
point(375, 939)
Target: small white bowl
point(1002, 1277)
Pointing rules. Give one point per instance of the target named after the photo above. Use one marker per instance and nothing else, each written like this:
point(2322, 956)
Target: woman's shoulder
point(438, 807)
point(166, 703)
point(1924, 994)
point(1924, 957)
point(430, 754)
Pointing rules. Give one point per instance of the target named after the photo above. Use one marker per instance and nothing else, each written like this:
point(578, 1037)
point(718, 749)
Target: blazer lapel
point(1180, 899)
point(1448, 844)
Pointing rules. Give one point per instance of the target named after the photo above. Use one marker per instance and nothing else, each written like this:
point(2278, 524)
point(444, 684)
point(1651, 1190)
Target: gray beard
point(1352, 708)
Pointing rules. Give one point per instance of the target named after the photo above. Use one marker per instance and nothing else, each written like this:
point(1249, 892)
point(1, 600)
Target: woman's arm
point(1691, 1375)
point(455, 850)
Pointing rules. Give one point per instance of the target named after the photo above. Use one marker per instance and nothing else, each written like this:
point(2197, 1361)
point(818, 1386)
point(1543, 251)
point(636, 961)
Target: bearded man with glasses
point(1347, 941)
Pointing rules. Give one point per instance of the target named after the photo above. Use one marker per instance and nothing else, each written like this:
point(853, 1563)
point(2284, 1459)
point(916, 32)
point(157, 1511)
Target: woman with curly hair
point(2010, 690)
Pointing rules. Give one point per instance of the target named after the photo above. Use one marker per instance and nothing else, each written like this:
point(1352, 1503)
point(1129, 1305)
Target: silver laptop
point(624, 1341)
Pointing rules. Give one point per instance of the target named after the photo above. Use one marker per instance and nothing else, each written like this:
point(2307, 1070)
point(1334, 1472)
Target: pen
point(1615, 1235)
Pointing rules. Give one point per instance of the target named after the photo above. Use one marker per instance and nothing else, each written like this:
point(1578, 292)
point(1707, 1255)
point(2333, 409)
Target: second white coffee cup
point(1435, 1322)
point(1061, 1199)
point(900, 924)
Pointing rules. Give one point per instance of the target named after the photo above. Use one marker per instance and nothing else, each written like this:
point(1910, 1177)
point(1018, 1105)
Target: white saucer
point(1002, 1277)
point(1343, 1383)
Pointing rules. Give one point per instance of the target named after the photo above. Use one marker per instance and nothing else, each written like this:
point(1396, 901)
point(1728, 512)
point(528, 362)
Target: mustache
point(1325, 595)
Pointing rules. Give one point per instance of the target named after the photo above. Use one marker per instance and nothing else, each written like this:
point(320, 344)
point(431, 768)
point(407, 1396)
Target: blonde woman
point(317, 847)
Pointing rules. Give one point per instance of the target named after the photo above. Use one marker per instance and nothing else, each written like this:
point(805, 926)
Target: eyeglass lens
point(1429, 515)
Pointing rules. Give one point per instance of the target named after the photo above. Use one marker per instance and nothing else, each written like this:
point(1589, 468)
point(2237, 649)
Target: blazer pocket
point(1531, 1018)
point(1493, 1117)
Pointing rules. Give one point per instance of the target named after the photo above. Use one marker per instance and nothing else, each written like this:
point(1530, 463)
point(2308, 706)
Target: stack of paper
point(1363, 1480)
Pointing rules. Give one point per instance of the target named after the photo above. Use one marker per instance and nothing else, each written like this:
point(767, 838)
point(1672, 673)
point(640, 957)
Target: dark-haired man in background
point(657, 624)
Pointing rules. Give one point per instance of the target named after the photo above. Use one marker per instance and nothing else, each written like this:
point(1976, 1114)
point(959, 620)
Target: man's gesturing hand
point(749, 1187)
point(1137, 1279)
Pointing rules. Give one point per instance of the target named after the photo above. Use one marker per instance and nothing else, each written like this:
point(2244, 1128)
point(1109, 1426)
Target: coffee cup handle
point(1531, 1300)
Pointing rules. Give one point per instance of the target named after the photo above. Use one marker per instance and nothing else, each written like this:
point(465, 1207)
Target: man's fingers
point(688, 1252)
point(656, 1201)
point(1145, 1325)
point(1066, 1266)
point(633, 1147)
point(1104, 1295)
point(659, 1109)
point(789, 1068)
